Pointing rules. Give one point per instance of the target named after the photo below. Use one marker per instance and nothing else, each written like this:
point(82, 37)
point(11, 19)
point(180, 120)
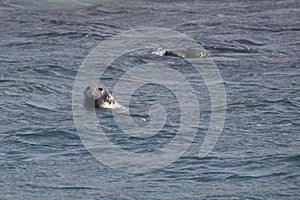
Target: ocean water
point(255, 46)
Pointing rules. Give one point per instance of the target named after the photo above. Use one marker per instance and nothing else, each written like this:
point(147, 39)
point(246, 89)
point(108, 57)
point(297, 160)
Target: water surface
point(255, 45)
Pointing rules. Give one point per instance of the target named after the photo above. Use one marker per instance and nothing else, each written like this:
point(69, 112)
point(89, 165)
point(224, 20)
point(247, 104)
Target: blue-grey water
point(255, 45)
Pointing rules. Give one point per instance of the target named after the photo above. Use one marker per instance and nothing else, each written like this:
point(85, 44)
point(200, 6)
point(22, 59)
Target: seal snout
point(94, 96)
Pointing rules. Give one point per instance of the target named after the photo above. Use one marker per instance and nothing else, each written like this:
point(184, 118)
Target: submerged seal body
point(98, 96)
point(185, 53)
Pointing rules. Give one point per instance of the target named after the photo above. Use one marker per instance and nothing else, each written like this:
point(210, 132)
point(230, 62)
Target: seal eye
point(100, 89)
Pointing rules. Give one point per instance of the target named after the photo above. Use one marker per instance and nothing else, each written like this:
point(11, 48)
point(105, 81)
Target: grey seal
point(185, 53)
point(98, 96)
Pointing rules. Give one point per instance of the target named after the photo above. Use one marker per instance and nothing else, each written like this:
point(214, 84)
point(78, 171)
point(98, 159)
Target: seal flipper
point(171, 53)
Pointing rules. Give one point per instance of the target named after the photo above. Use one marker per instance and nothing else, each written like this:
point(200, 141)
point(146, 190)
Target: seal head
point(99, 96)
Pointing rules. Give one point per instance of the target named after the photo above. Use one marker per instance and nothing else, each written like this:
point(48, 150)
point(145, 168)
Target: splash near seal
point(93, 68)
